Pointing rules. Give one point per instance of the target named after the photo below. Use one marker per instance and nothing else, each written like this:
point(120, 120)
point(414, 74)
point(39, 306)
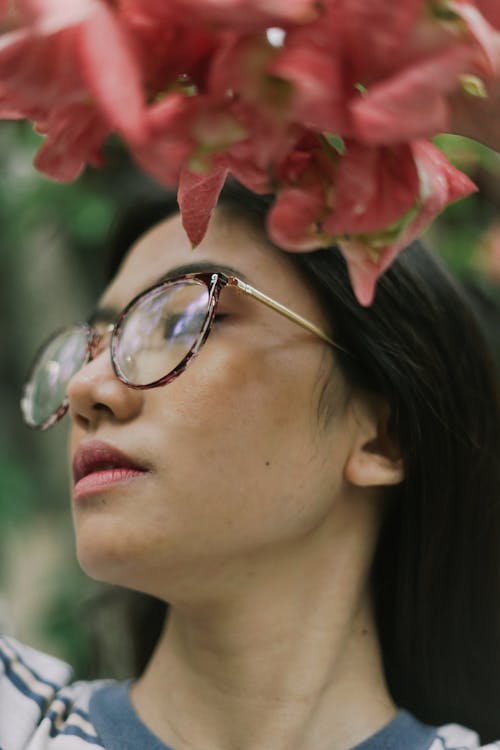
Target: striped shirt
point(42, 709)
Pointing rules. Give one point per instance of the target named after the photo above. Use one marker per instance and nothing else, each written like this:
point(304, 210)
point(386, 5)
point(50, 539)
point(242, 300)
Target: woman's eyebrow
point(108, 314)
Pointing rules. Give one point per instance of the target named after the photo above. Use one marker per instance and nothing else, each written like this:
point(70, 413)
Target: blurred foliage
point(52, 268)
point(459, 233)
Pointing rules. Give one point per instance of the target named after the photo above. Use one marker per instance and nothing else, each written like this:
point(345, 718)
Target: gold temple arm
point(283, 310)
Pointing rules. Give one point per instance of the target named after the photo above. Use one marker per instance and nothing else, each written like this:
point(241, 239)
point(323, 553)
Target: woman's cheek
point(223, 378)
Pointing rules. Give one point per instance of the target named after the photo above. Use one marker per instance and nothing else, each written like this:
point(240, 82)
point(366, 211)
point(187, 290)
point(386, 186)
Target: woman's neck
point(290, 662)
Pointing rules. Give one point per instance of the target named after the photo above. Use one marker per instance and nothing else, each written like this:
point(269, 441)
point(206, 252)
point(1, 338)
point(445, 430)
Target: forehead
point(229, 241)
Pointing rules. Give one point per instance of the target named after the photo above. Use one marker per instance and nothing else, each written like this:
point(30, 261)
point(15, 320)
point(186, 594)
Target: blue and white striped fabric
point(41, 709)
point(39, 706)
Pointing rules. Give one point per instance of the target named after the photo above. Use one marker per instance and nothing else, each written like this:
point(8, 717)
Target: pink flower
point(372, 205)
point(369, 256)
point(330, 116)
point(414, 101)
point(351, 45)
point(67, 57)
point(364, 69)
point(332, 196)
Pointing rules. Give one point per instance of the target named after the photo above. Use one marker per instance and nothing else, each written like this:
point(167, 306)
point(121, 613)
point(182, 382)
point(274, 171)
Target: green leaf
point(337, 142)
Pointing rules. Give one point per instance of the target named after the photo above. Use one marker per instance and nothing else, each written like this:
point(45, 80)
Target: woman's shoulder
point(39, 702)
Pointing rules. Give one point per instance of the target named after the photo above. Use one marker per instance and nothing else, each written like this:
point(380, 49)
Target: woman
point(315, 498)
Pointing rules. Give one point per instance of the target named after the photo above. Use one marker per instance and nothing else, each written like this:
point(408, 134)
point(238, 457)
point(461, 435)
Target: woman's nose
point(95, 394)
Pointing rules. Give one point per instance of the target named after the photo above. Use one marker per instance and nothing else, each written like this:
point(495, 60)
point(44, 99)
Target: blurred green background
point(52, 268)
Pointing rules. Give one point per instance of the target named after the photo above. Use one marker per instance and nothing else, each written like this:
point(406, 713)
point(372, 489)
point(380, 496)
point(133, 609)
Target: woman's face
point(238, 466)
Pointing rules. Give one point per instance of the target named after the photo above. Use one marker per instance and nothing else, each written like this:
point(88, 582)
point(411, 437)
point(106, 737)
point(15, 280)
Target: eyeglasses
point(153, 340)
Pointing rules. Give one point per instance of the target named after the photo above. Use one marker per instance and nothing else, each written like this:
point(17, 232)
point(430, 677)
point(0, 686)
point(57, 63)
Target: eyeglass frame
point(214, 281)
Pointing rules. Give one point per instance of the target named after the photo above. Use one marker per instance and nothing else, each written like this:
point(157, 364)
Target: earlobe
point(375, 458)
point(364, 468)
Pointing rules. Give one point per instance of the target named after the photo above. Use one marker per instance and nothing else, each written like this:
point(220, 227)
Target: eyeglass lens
point(153, 337)
point(56, 364)
point(159, 330)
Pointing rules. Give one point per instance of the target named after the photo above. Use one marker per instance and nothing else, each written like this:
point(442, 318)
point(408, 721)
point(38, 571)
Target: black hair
point(436, 573)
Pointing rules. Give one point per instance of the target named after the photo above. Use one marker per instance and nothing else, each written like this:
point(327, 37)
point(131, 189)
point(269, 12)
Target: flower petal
point(111, 72)
point(293, 220)
point(316, 74)
point(364, 268)
point(197, 197)
point(376, 34)
point(412, 103)
point(75, 136)
point(373, 187)
point(166, 43)
point(40, 72)
point(441, 184)
point(168, 144)
point(367, 257)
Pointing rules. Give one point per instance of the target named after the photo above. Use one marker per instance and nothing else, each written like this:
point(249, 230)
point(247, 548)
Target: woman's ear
point(375, 457)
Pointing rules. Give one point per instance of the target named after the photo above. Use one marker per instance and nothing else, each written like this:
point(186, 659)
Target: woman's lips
point(98, 466)
point(99, 481)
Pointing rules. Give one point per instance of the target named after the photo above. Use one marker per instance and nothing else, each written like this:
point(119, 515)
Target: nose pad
point(100, 341)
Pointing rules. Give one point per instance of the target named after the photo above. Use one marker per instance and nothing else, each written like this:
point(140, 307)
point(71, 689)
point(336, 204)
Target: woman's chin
point(107, 552)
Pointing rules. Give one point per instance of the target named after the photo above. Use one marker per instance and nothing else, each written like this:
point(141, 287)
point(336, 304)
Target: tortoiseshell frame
point(214, 282)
